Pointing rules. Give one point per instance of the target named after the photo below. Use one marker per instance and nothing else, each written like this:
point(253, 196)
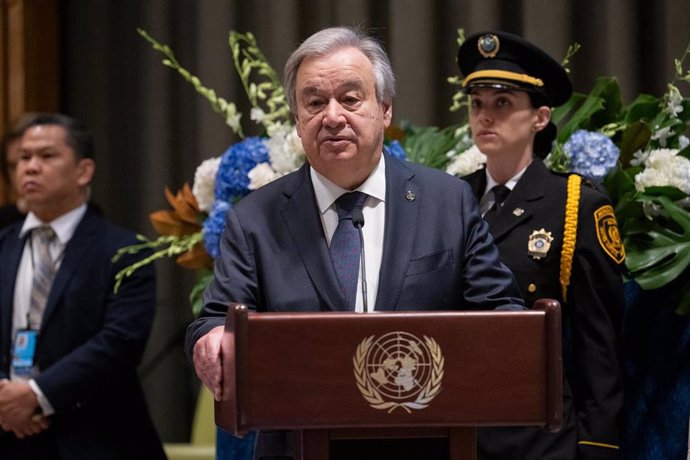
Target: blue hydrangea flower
point(591, 154)
point(213, 227)
point(231, 180)
point(396, 150)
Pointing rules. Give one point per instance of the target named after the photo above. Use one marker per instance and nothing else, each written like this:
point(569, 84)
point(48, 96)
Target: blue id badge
point(23, 352)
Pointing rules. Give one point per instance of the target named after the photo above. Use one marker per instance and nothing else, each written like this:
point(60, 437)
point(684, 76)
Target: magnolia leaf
point(635, 137)
point(196, 258)
point(609, 90)
point(168, 223)
point(184, 204)
point(644, 107)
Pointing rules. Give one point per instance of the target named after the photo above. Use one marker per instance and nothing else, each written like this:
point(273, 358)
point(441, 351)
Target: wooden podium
point(330, 376)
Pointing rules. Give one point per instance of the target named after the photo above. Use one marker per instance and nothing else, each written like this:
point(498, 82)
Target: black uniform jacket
point(592, 313)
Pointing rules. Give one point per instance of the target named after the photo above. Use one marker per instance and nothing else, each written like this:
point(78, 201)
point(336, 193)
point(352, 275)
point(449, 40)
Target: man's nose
point(333, 115)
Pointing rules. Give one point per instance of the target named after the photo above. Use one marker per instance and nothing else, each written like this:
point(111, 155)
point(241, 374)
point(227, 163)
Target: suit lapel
point(75, 252)
point(403, 196)
point(522, 201)
point(9, 263)
point(302, 220)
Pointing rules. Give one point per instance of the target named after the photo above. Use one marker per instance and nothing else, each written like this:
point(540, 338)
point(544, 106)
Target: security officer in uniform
point(558, 234)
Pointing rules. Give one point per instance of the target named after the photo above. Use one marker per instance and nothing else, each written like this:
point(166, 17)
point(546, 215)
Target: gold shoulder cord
point(572, 204)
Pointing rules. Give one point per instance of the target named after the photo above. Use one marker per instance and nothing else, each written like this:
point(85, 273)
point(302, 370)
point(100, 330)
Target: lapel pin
point(410, 195)
point(518, 212)
point(539, 243)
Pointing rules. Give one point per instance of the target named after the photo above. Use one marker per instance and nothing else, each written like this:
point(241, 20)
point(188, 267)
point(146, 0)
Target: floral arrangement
point(639, 152)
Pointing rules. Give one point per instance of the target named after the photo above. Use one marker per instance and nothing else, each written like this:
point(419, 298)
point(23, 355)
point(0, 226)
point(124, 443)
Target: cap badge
point(539, 243)
point(488, 45)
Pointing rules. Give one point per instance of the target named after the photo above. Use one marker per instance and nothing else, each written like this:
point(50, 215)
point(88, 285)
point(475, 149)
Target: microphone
point(358, 222)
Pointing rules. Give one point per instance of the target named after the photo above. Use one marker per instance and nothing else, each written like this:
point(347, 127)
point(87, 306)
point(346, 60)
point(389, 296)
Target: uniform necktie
point(44, 273)
point(500, 193)
point(345, 246)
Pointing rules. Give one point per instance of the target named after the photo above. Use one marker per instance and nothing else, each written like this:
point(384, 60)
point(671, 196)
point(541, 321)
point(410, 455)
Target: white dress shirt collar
point(64, 226)
point(327, 192)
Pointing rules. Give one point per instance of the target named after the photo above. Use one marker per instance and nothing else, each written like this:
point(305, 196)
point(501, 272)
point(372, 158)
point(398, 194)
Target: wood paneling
point(29, 60)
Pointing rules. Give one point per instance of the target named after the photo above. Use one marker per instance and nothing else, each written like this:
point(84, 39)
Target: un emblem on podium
point(398, 370)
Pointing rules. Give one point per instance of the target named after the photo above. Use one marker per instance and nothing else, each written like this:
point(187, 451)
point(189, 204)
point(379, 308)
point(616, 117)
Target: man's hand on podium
point(207, 361)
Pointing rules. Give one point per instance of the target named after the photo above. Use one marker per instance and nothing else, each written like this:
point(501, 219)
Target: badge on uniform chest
point(539, 243)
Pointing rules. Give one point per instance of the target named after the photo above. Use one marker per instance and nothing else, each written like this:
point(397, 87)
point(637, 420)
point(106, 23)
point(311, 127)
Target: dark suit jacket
point(592, 315)
point(90, 343)
point(437, 254)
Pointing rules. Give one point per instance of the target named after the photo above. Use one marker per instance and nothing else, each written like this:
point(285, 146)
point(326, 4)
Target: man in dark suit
point(69, 344)
point(427, 246)
point(558, 235)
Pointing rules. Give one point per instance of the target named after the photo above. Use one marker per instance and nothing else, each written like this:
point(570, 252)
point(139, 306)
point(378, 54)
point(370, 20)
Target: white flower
point(257, 115)
point(205, 182)
point(663, 167)
point(639, 157)
point(232, 119)
point(674, 101)
point(284, 148)
point(261, 175)
point(683, 142)
point(467, 162)
point(662, 134)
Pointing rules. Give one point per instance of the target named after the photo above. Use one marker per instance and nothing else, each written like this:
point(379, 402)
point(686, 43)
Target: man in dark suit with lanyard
point(69, 344)
point(427, 247)
point(558, 235)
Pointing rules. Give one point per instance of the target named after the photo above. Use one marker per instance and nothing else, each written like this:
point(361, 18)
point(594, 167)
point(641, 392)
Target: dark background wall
point(152, 130)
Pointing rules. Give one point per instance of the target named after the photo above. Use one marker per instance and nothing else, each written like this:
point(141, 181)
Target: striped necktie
point(44, 273)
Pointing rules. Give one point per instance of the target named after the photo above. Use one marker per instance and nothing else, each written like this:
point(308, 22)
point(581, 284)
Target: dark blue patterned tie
point(345, 246)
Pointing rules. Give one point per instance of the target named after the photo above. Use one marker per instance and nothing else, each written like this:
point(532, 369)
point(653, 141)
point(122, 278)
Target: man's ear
point(86, 167)
point(387, 114)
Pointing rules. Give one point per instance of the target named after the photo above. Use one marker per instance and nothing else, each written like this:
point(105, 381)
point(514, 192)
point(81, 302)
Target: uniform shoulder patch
point(607, 233)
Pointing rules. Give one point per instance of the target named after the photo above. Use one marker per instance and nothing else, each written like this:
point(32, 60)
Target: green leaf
point(664, 253)
point(635, 137)
point(644, 107)
point(204, 278)
point(429, 145)
point(601, 106)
